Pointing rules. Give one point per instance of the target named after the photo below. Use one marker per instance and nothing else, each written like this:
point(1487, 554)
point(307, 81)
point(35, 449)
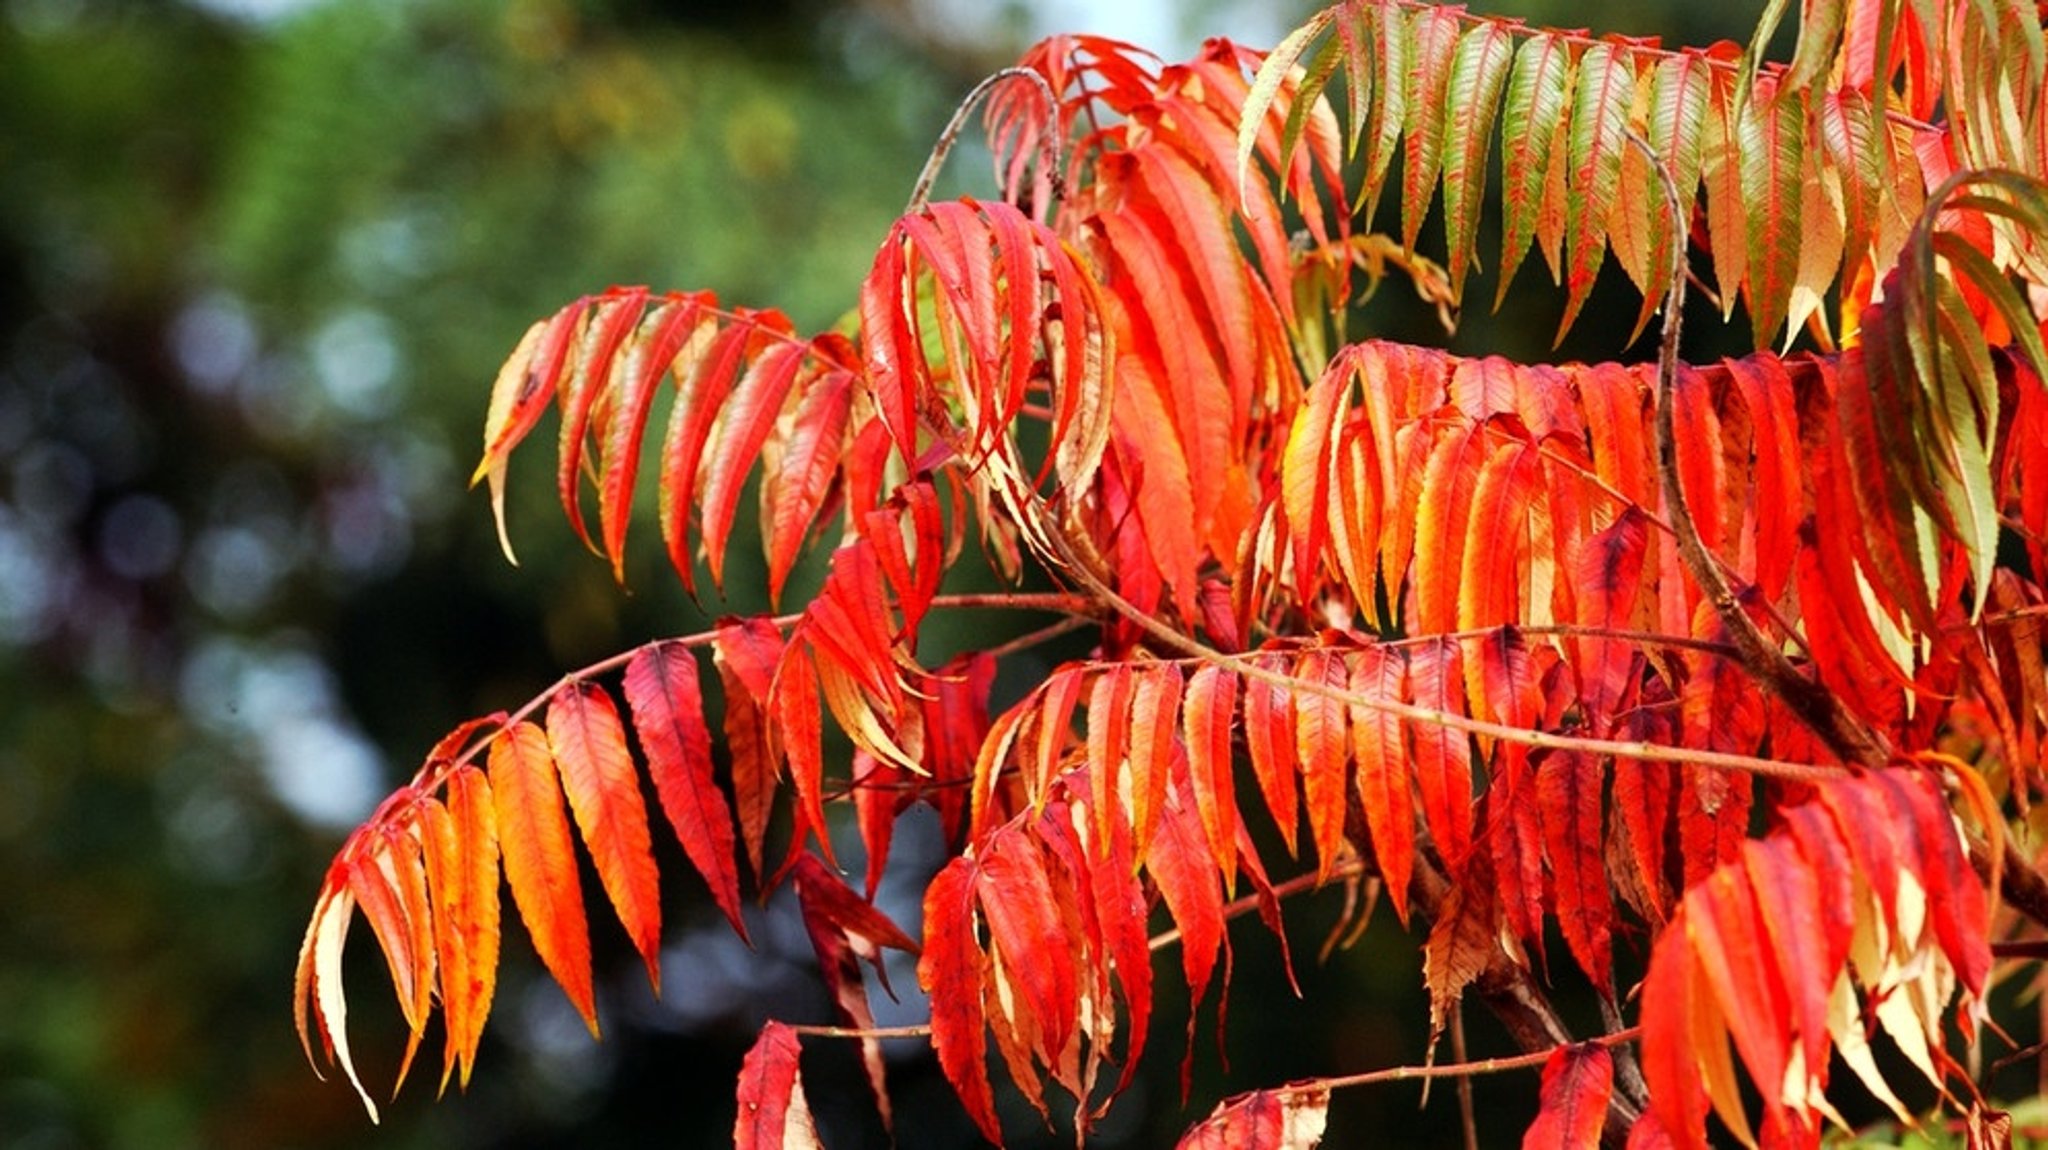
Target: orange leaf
point(1383, 788)
point(589, 745)
point(637, 379)
point(747, 422)
point(793, 492)
point(1155, 716)
point(668, 716)
point(1442, 757)
point(1323, 754)
point(1207, 717)
point(773, 1114)
point(701, 395)
point(463, 876)
point(1441, 515)
point(1496, 549)
point(540, 860)
point(619, 312)
point(1269, 732)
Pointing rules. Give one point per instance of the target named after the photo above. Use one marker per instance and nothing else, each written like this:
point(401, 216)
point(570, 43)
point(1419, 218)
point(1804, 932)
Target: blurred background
point(259, 261)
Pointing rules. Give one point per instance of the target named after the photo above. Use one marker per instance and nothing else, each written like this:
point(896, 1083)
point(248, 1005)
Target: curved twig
point(1852, 740)
point(1048, 136)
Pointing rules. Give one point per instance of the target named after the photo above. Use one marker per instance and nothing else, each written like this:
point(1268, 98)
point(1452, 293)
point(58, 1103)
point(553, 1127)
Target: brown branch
point(1531, 1061)
point(1237, 907)
point(916, 1030)
point(1813, 704)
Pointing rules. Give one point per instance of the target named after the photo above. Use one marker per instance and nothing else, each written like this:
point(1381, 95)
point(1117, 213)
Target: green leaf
point(1598, 133)
point(1530, 117)
point(1393, 40)
point(1478, 72)
point(1433, 34)
point(1769, 134)
point(1273, 72)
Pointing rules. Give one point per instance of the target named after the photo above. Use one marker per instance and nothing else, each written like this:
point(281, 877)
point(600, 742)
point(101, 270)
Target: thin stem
point(1460, 1070)
point(916, 1030)
point(1237, 907)
point(1469, 1120)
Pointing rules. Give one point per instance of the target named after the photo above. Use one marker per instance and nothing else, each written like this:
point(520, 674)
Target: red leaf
point(748, 420)
point(1610, 566)
point(773, 1114)
point(540, 860)
point(1186, 876)
point(1577, 1081)
point(844, 930)
point(1568, 789)
point(1027, 932)
point(1575, 1087)
point(668, 716)
point(793, 711)
point(951, 971)
point(1677, 1095)
point(746, 652)
point(793, 492)
point(589, 745)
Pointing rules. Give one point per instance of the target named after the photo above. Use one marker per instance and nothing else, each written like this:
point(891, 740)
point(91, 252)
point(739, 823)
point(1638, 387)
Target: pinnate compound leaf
point(1263, 1120)
point(1761, 942)
point(1577, 1081)
point(540, 859)
point(773, 1113)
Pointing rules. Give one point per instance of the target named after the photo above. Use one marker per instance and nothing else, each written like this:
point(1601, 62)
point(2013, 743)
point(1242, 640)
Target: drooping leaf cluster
point(1498, 644)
